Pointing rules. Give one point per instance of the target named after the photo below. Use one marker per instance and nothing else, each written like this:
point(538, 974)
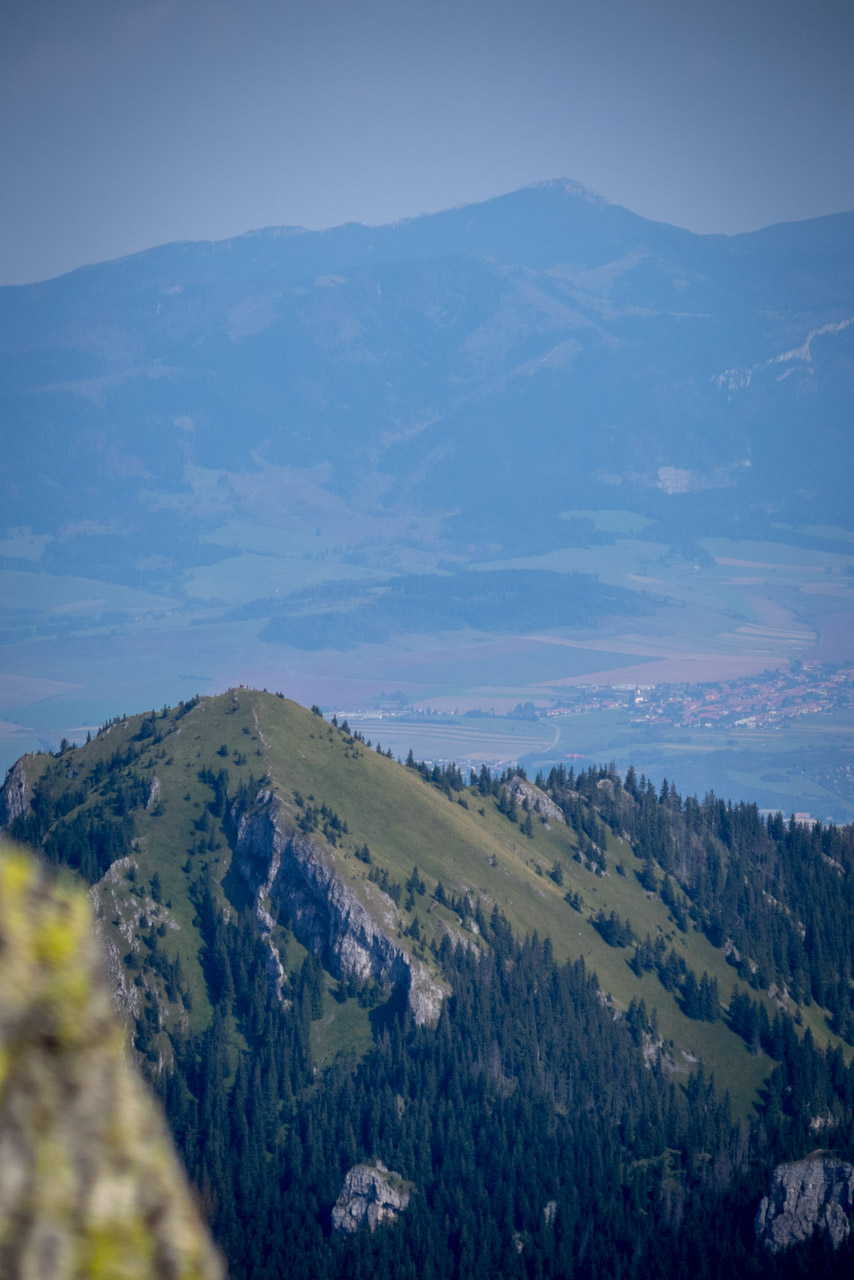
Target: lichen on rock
point(90, 1185)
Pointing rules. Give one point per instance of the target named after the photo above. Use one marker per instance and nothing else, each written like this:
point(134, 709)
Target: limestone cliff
point(90, 1185)
point(371, 1194)
point(816, 1194)
point(280, 865)
point(15, 794)
point(110, 900)
point(537, 801)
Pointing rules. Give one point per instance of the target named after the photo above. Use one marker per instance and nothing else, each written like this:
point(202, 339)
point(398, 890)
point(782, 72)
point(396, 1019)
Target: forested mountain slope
point(381, 370)
point(488, 985)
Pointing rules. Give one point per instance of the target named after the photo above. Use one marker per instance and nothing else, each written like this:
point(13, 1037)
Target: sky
point(131, 123)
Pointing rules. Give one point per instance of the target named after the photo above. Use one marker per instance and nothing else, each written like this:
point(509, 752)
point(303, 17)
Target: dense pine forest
point(544, 1130)
point(778, 892)
point(539, 1142)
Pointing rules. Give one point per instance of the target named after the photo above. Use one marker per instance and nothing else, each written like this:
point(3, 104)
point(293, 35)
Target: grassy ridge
point(462, 841)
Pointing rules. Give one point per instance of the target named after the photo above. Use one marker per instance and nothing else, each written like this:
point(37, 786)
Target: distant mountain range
point(462, 377)
point(567, 1026)
point(340, 462)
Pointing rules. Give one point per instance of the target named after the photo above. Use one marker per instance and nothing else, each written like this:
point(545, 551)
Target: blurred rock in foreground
point(90, 1185)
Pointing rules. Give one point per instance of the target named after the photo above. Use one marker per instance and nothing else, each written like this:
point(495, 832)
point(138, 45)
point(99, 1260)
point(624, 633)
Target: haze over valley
point(427, 643)
point(535, 453)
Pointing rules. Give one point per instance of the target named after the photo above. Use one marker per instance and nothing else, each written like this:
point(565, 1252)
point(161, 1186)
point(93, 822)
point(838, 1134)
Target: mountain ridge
point(198, 436)
point(788, 231)
point(276, 231)
point(332, 820)
point(514, 994)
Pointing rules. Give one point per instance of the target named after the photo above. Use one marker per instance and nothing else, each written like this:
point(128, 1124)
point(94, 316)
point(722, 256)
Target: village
point(754, 702)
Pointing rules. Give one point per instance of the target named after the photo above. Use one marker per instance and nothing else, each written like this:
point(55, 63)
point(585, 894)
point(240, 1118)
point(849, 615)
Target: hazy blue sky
point(127, 123)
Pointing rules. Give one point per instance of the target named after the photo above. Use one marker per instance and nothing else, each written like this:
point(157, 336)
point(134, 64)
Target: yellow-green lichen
point(119, 1250)
point(47, 957)
point(89, 1172)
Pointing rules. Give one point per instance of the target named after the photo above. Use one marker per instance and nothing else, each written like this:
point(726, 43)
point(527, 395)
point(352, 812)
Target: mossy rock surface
point(90, 1185)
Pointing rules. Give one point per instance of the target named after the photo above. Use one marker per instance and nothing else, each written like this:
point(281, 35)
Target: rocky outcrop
point(371, 1194)
point(14, 795)
point(538, 801)
point(90, 1185)
point(816, 1194)
point(153, 794)
point(281, 865)
point(111, 899)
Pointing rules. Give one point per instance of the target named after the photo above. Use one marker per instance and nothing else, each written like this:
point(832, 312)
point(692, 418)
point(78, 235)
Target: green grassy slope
point(461, 840)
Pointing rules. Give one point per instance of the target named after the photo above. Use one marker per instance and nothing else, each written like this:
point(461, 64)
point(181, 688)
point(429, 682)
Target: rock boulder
point(816, 1194)
point(371, 1194)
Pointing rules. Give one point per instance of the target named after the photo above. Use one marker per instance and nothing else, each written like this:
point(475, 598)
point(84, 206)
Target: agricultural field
point(464, 739)
point(800, 768)
point(76, 650)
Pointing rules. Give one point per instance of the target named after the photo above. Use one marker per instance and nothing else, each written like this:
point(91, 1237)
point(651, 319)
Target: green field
point(608, 521)
point(456, 737)
point(78, 650)
point(776, 768)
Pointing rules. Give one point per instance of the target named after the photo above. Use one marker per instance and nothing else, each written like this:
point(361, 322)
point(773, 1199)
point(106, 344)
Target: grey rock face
point(14, 795)
point(109, 900)
point(371, 1194)
point(806, 1196)
point(281, 865)
point(153, 794)
point(537, 801)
